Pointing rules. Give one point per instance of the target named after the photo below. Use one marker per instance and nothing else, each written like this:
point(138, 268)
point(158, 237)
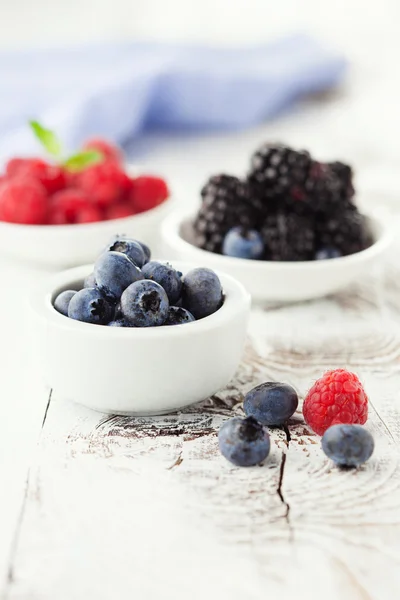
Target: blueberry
point(145, 304)
point(327, 252)
point(166, 276)
point(178, 315)
point(89, 305)
point(114, 272)
point(348, 445)
point(118, 312)
point(271, 403)
point(89, 281)
point(147, 252)
point(133, 250)
point(119, 323)
point(201, 292)
point(62, 301)
point(244, 442)
point(242, 243)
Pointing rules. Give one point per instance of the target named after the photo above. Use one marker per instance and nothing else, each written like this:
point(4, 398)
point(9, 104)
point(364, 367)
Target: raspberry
point(108, 150)
point(105, 183)
point(52, 177)
point(148, 192)
point(119, 211)
point(89, 214)
point(14, 165)
point(67, 205)
point(23, 202)
point(338, 397)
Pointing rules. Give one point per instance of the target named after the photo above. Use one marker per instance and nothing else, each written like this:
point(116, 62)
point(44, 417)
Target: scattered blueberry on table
point(128, 289)
point(348, 445)
point(244, 442)
point(271, 403)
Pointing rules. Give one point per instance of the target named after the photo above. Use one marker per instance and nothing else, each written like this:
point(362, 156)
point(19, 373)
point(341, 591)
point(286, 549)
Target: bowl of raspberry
point(57, 212)
point(290, 230)
point(133, 335)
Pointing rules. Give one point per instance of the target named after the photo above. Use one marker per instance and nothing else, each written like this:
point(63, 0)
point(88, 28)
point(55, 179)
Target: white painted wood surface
point(118, 507)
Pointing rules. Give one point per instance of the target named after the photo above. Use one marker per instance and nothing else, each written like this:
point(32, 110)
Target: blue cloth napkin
point(123, 90)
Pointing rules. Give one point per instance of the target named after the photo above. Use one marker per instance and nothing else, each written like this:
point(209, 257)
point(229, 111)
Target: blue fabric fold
point(123, 90)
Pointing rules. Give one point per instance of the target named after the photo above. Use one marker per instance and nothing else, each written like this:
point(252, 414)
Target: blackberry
point(277, 173)
point(225, 205)
point(347, 231)
point(328, 188)
point(288, 237)
point(345, 174)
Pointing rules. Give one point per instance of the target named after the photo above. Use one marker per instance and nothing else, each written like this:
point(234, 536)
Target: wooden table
point(119, 507)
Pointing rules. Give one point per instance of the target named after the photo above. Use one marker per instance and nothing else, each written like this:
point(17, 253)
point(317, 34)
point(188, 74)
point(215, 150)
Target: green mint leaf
point(47, 138)
point(81, 160)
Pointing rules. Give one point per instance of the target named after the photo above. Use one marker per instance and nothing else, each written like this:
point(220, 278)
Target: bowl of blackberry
point(57, 211)
point(134, 335)
point(290, 230)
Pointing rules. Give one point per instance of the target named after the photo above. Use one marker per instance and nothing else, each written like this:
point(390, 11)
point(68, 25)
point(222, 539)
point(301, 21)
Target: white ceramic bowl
point(60, 246)
point(278, 281)
point(138, 371)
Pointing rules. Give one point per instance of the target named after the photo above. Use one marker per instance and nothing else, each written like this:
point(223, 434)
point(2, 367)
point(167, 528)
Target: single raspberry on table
point(107, 149)
point(337, 397)
point(52, 177)
point(119, 211)
point(68, 206)
point(23, 201)
point(106, 183)
point(148, 192)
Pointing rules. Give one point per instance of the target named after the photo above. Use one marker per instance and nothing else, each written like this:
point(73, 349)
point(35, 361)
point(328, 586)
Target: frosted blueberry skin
point(133, 250)
point(244, 442)
point(147, 252)
point(166, 276)
point(62, 301)
point(327, 252)
point(239, 243)
point(348, 445)
point(271, 403)
point(114, 272)
point(89, 281)
point(201, 292)
point(90, 306)
point(145, 304)
point(178, 316)
point(119, 323)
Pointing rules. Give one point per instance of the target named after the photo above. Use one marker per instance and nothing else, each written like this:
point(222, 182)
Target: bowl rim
point(170, 231)
point(236, 299)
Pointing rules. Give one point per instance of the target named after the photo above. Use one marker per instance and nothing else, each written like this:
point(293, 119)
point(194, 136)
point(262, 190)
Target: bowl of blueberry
point(58, 211)
point(289, 231)
point(132, 335)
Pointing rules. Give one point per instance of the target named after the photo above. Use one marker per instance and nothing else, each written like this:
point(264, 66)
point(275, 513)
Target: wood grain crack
point(279, 490)
point(47, 408)
point(280, 483)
